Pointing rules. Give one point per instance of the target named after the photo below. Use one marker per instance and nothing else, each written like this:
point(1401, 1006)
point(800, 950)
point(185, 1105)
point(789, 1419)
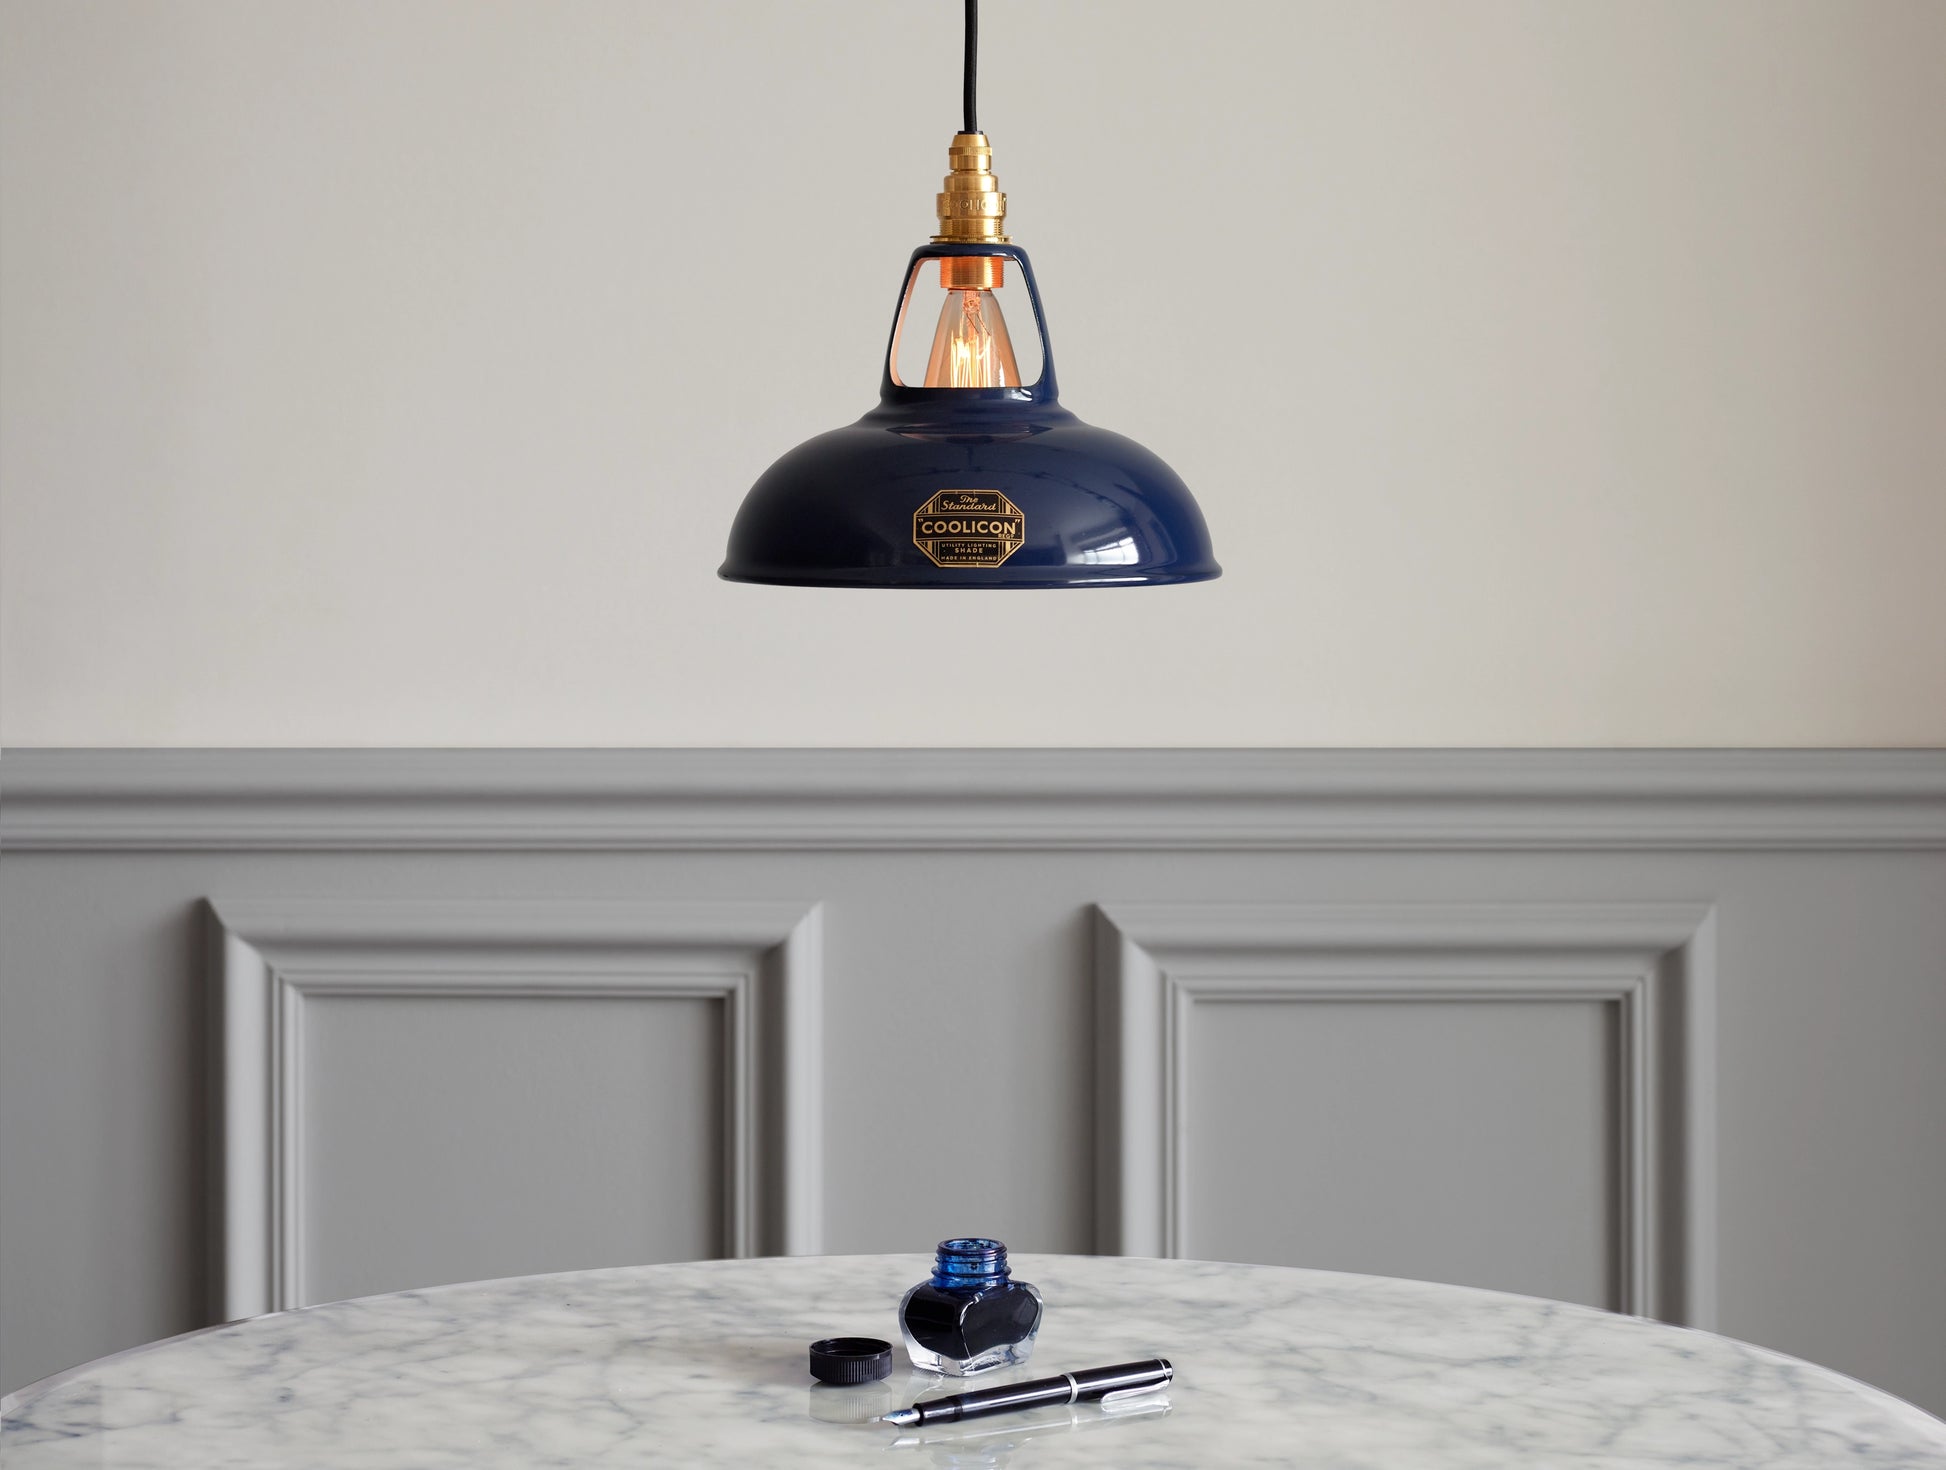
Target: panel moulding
point(1063, 800)
point(762, 961)
point(1157, 965)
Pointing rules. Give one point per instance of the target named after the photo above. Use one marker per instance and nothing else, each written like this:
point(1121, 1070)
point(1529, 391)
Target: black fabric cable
point(972, 66)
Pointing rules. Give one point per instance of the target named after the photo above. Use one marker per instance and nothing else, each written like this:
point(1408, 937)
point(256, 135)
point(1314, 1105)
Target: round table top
point(706, 1363)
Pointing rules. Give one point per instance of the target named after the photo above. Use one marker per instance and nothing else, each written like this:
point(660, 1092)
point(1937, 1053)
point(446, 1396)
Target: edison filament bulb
point(970, 347)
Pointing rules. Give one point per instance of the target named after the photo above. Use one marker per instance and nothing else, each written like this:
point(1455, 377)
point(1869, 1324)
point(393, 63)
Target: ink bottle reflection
point(970, 1315)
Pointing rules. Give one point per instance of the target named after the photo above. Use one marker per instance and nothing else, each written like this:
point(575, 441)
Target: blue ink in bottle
point(970, 1315)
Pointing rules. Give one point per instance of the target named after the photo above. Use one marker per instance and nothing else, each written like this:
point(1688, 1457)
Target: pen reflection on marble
point(1073, 1419)
point(865, 1403)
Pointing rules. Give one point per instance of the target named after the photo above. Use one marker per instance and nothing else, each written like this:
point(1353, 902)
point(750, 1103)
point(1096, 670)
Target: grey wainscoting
point(368, 1144)
point(1656, 1030)
point(1512, 1095)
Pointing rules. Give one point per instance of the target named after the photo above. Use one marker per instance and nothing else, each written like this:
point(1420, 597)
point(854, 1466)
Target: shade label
point(969, 528)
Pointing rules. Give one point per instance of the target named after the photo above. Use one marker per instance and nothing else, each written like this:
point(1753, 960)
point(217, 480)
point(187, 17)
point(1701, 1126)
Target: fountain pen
point(1064, 1388)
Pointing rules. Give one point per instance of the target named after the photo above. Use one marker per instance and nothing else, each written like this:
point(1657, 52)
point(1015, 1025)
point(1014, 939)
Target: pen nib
point(900, 1417)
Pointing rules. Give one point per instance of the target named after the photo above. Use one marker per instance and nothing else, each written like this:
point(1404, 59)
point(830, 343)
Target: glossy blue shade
point(1077, 506)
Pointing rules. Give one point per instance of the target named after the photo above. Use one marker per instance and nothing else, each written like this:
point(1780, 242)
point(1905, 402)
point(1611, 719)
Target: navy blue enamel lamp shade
point(988, 486)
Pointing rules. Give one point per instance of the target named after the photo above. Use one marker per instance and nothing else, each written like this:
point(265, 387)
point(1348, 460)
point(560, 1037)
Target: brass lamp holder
point(972, 211)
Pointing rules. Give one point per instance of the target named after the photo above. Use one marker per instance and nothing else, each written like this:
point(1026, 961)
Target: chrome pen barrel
point(1116, 1380)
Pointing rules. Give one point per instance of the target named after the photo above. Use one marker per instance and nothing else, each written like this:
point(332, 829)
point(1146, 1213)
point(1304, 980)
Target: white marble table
point(705, 1364)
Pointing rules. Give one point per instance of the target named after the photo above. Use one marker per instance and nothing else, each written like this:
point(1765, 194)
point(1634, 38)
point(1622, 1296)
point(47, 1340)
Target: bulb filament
point(971, 348)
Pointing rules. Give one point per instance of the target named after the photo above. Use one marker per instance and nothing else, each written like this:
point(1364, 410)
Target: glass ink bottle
point(970, 1315)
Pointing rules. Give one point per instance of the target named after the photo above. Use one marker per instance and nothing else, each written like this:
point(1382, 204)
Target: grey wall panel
point(1473, 1141)
point(347, 1163)
point(959, 996)
point(1454, 1003)
point(458, 1138)
point(104, 1133)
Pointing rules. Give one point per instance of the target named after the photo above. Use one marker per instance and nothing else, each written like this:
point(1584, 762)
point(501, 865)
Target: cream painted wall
point(388, 373)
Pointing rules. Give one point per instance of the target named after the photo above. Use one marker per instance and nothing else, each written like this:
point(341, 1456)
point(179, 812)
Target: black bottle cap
point(850, 1359)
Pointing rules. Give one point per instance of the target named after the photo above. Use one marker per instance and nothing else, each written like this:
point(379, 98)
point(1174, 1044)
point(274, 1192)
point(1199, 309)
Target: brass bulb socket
point(972, 210)
point(972, 272)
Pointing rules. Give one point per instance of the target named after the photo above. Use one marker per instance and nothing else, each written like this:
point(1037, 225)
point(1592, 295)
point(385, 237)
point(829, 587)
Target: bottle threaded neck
point(970, 1261)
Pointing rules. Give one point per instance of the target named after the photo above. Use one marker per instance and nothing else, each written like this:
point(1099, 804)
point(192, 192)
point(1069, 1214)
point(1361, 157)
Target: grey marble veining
point(705, 1363)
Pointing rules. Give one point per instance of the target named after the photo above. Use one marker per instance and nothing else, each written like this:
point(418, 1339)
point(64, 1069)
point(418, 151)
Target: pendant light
point(969, 473)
